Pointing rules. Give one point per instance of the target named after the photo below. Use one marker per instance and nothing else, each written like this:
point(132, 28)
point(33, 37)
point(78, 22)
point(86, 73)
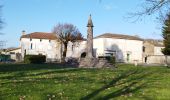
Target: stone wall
point(49, 48)
point(158, 59)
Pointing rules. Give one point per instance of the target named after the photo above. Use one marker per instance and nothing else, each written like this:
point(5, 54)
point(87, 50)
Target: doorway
point(128, 57)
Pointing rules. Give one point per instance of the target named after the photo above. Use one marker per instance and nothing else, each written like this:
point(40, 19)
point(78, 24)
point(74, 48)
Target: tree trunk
point(61, 52)
point(65, 50)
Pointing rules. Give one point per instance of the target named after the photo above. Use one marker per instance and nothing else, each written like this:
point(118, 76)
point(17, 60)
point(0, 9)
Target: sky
point(109, 16)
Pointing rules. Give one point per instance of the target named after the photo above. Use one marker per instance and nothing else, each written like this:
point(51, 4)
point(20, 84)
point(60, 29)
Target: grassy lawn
point(51, 82)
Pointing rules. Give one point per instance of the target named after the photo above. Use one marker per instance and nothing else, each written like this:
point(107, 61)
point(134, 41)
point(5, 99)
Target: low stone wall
point(158, 59)
point(94, 63)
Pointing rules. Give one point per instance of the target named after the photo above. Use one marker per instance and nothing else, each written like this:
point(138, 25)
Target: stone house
point(125, 48)
point(14, 53)
point(40, 43)
point(152, 47)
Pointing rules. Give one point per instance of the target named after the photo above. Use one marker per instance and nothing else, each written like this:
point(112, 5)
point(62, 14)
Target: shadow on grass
point(129, 82)
point(28, 67)
point(23, 74)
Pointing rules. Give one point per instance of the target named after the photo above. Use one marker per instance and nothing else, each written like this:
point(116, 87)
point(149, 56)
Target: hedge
point(34, 59)
point(4, 57)
point(110, 59)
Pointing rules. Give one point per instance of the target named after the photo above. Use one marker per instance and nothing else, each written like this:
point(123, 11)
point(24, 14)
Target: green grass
point(49, 81)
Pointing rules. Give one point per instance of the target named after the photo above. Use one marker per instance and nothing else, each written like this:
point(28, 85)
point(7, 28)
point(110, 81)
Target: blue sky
point(43, 15)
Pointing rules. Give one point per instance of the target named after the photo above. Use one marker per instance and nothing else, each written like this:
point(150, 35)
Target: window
point(144, 49)
point(128, 57)
point(12, 52)
point(25, 52)
point(109, 54)
point(31, 45)
point(72, 47)
point(40, 54)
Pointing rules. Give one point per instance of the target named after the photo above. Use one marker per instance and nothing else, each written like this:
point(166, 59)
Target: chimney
point(23, 32)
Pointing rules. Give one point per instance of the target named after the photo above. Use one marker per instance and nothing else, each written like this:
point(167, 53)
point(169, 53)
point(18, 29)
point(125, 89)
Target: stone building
point(152, 47)
point(125, 48)
point(40, 43)
point(14, 53)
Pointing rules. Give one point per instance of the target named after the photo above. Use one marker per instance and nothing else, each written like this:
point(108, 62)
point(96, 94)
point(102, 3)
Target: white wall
point(75, 50)
point(50, 48)
point(157, 50)
point(15, 54)
point(158, 59)
point(98, 46)
point(122, 47)
point(101, 46)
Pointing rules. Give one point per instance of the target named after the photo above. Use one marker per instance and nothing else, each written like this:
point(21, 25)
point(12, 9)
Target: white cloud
point(109, 7)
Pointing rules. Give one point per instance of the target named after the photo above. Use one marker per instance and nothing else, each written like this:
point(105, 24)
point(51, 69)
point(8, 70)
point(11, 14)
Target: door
point(128, 57)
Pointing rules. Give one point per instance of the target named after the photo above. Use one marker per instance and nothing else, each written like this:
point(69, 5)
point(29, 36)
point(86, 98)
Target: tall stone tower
point(90, 61)
point(90, 38)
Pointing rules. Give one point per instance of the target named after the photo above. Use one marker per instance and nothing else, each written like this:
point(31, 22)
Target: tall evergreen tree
point(166, 35)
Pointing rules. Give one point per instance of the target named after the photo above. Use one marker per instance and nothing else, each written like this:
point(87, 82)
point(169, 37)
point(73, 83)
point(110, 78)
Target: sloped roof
point(157, 43)
point(12, 49)
point(40, 35)
point(119, 36)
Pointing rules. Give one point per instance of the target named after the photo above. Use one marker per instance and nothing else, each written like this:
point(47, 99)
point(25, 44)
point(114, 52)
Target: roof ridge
point(119, 36)
point(40, 35)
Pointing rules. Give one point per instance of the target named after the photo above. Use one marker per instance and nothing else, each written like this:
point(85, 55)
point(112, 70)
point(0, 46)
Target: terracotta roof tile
point(119, 36)
point(40, 35)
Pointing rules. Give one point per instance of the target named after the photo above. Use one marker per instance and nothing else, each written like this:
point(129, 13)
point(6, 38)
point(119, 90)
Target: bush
point(110, 59)
point(34, 59)
point(4, 57)
point(113, 60)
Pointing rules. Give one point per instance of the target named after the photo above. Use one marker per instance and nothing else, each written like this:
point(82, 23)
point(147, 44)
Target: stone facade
point(15, 54)
point(152, 48)
point(158, 59)
point(90, 39)
point(125, 49)
point(35, 44)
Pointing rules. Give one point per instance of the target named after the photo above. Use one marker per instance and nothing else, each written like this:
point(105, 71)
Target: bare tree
point(65, 33)
point(160, 8)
